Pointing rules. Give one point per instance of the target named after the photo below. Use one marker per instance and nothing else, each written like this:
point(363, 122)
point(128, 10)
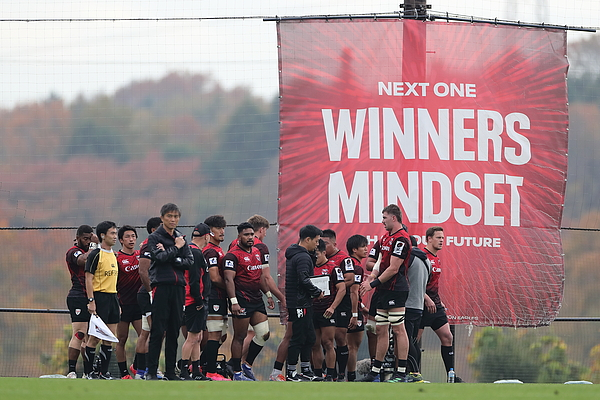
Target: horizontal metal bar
point(432, 17)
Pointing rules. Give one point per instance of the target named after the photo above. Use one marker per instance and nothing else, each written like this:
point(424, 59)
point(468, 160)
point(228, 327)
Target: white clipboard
point(322, 282)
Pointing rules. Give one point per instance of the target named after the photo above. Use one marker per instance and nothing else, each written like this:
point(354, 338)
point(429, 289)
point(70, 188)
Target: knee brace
point(216, 325)
point(145, 324)
point(370, 326)
point(261, 333)
point(382, 318)
point(396, 318)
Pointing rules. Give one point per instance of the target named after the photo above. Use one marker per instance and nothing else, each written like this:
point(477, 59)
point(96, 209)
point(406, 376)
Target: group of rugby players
point(170, 285)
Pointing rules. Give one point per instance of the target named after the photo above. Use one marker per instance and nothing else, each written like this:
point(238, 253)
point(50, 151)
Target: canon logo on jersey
point(254, 267)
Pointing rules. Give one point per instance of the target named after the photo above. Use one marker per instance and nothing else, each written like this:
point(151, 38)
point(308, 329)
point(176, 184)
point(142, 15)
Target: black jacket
point(299, 267)
point(167, 266)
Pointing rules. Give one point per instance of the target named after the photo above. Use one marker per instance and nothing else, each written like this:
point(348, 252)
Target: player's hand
point(365, 287)
point(179, 242)
point(353, 323)
point(92, 307)
point(236, 309)
point(329, 312)
point(270, 303)
point(160, 246)
point(321, 295)
point(199, 306)
point(430, 305)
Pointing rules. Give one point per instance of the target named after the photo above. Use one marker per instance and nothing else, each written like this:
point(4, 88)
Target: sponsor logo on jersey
point(216, 307)
point(229, 264)
point(349, 264)
point(212, 261)
point(373, 251)
point(77, 253)
point(77, 311)
point(266, 257)
point(398, 248)
point(131, 268)
point(392, 302)
point(339, 274)
point(247, 259)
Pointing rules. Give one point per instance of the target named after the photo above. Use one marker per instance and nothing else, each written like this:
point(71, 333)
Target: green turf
point(62, 389)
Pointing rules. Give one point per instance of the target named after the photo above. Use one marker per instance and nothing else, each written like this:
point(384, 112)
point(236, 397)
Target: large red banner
point(461, 125)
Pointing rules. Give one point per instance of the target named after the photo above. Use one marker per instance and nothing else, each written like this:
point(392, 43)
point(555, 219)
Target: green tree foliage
point(504, 353)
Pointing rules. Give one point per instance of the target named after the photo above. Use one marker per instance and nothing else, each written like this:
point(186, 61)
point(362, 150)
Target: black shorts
point(107, 307)
point(195, 320)
point(319, 321)
point(342, 317)
point(217, 307)
point(360, 327)
point(249, 308)
point(373, 305)
point(130, 312)
point(412, 322)
point(389, 299)
point(143, 299)
point(78, 309)
point(435, 320)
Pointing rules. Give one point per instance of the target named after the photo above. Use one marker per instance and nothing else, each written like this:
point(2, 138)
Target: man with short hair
point(343, 314)
point(196, 299)
point(77, 298)
point(216, 324)
point(418, 275)
point(242, 267)
point(171, 256)
point(357, 247)
point(392, 285)
point(434, 314)
point(299, 292)
point(324, 314)
point(128, 285)
point(101, 272)
point(145, 303)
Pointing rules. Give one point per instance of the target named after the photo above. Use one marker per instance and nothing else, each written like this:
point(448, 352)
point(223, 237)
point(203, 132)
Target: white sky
point(71, 58)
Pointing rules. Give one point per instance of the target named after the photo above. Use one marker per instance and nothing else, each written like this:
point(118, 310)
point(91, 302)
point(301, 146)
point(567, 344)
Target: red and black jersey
point(394, 245)
point(433, 285)
point(77, 272)
point(197, 278)
point(335, 276)
point(344, 262)
point(213, 255)
point(248, 270)
point(128, 281)
point(259, 244)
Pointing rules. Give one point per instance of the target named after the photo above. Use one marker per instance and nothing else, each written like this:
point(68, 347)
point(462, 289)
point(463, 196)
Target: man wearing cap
point(196, 299)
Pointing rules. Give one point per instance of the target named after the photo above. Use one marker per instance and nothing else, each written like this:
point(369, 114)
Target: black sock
point(185, 368)
point(196, 367)
point(72, 365)
point(278, 366)
point(376, 367)
point(211, 350)
point(318, 372)
point(88, 360)
point(105, 355)
point(448, 357)
point(401, 366)
point(253, 351)
point(236, 364)
point(342, 359)
point(141, 361)
point(331, 372)
point(123, 368)
point(351, 376)
point(135, 361)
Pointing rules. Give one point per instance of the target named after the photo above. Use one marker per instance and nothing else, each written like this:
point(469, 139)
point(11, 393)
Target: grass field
point(61, 389)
